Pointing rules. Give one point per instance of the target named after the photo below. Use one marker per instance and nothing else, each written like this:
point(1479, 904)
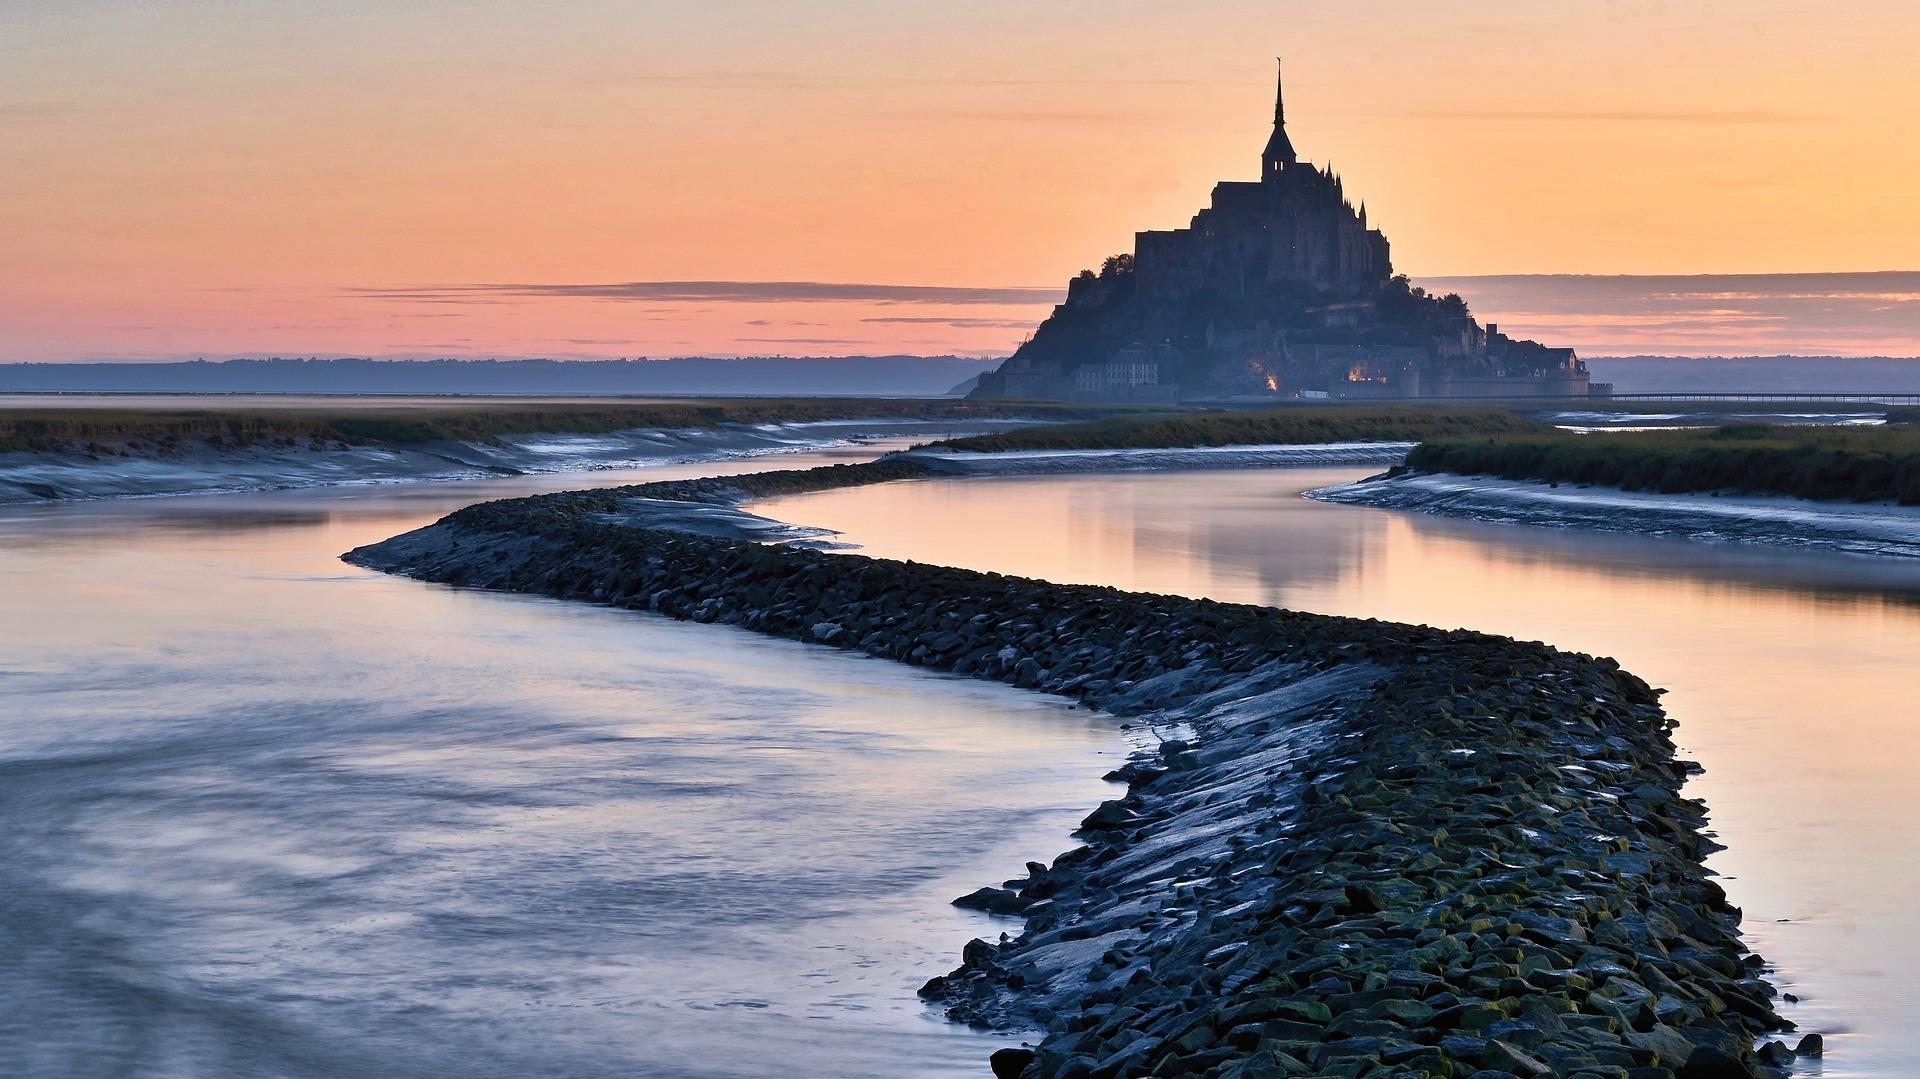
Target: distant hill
point(1864, 314)
point(891, 376)
point(1758, 374)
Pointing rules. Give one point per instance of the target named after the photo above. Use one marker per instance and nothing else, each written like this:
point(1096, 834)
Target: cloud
point(805, 80)
point(1764, 314)
point(958, 323)
point(475, 301)
point(1015, 116)
point(1633, 116)
point(720, 292)
point(803, 341)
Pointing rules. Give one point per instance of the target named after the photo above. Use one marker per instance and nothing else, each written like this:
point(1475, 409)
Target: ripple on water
point(266, 817)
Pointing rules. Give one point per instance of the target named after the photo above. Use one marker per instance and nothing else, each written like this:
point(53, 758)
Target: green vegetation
point(160, 430)
point(1863, 464)
point(1285, 426)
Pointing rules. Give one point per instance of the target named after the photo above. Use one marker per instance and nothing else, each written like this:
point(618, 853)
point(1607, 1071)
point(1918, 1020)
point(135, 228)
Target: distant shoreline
point(867, 376)
point(894, 376)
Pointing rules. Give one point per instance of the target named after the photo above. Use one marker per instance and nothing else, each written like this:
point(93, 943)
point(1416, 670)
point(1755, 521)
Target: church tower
point(1279, 155)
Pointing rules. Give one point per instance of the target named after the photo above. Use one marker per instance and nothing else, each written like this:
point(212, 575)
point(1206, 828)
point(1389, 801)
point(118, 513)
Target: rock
point(1669, 1047)
point(1009, 1063)
point(827, 632)
point(979, 953)
point(1708, 1062)
point(1364, 900)
point(1129, 1058)
point(993, 901)
point(1503, 1056)
point(1111, 814)
point(1135, 773)
point(1300, 1011)
point(1812, 1045)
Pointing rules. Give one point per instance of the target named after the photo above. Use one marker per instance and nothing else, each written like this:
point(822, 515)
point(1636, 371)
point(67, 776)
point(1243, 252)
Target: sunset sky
point(855, 176)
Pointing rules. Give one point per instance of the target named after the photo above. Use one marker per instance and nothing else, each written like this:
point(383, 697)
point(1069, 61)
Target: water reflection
point(1791, 673)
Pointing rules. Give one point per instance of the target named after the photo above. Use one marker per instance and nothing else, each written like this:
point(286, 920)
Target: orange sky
point(208, 178)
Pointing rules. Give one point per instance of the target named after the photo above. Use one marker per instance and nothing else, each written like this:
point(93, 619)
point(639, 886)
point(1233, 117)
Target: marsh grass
point(123, 430)
point(1287, 426)
point(1860, 464)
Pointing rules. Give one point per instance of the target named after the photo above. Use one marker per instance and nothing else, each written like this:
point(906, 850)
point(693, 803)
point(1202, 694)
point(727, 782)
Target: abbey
point(1294, 224)
point(1280, 288)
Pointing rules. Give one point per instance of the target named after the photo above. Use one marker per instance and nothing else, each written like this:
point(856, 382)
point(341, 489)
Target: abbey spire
point(1279, 155)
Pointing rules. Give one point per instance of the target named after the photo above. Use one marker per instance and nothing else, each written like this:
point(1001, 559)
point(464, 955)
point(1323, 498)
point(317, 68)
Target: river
point(266, 814)
point(1792, 675)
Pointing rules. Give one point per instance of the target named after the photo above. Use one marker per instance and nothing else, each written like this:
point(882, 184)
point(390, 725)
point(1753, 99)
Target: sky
point(628, 177)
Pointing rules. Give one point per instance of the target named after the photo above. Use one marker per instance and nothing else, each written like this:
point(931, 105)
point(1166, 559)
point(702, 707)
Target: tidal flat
point(1283, 884)
point(270, 815)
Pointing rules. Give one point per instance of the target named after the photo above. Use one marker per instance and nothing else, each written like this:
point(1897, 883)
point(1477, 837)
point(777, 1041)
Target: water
point(266, 814)
point(1792, 674)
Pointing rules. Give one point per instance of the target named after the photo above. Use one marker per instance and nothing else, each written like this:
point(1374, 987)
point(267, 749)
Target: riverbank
point(1292, 425)
point(947, 461)
point(1853, 463)
point(137, 429)
point(1297, 436)
point(65, 454)
point(1362, 845)
point(1778, 521)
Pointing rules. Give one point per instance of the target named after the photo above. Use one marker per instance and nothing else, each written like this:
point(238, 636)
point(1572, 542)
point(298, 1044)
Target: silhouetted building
point(1280, 287)
point(1294, 225)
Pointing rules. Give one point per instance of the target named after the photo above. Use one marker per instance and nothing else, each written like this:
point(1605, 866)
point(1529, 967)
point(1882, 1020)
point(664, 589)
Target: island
point(1279, 288)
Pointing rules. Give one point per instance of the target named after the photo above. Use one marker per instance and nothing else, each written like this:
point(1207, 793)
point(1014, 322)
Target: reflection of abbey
point(1277, 288)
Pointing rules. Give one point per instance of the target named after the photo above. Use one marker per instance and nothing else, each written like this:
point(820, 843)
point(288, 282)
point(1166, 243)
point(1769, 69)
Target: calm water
point(1793, 676)
point(265, 814)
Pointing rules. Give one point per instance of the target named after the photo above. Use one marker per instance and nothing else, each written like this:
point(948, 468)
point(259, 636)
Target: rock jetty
point(1359, 849)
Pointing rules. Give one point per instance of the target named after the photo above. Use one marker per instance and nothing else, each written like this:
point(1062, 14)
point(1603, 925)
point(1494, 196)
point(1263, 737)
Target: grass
point(114, 430)
point(1860, 464)
point(1286, 426)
